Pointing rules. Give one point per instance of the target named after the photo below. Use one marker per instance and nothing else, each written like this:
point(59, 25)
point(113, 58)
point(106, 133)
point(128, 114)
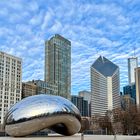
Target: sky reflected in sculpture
point(42, 111)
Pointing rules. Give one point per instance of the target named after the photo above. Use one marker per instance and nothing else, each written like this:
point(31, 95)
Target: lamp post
point(82, 136)
point(110, 115)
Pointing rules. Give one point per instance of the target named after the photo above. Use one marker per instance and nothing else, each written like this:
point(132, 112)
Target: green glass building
point(58, 64)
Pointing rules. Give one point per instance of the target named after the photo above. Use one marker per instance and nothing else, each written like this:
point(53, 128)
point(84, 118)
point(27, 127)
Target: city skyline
point(92, 27)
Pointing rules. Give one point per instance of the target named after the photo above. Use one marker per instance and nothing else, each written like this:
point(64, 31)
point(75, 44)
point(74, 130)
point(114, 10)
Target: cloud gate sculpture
point(38, 112)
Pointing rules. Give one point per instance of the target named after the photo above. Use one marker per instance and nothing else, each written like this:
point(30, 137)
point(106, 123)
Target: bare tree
point(126, 120)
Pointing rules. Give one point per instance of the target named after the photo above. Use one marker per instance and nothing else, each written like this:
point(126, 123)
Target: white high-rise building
point(10, 82)
point(132, 64)
point(105, 86)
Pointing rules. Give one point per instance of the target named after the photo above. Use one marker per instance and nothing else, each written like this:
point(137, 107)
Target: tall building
point(81, 104)
point(10, 82)
point(132, 64)
point(58, 64)
point(137, 81)
point(105, 86)
point(87, 97)
point(130, 90)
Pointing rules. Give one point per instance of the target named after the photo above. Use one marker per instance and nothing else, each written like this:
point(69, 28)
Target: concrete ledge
point(74, 137)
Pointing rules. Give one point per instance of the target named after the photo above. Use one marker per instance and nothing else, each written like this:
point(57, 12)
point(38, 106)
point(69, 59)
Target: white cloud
point(3, 12)
point(47, 19)
point(56, 27)
point(33, 6)
point(107, 28)
point(37, 19)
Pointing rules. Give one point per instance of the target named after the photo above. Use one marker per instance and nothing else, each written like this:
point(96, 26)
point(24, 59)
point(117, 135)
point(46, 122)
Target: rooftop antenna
point(98, 54)
point(97, 51)
point(134, 51)
point(102, 58)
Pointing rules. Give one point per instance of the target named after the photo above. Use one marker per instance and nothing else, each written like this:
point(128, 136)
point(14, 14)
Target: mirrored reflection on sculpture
point(38, 112)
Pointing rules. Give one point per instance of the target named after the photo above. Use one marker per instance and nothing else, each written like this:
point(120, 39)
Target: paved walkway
point(75, 137)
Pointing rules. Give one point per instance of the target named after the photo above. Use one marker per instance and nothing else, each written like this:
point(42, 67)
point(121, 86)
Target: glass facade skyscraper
point(58, 64)
point(87, 97)
point(130, 90)
point(81, 104)
point(132, 64)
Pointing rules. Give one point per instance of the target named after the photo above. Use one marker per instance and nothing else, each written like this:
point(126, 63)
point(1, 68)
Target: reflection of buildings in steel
point(43, 111)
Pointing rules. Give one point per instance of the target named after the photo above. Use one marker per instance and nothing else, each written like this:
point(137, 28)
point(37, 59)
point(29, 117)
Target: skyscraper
point(87, 97)
point(137, 80)
point(81, 104)
point(58, 64)
point(130, 90)
point(132, 64)
point(105, 86)
point(10, 82)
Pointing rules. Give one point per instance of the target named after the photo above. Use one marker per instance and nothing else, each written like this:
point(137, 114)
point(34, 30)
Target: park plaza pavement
point(74, 137)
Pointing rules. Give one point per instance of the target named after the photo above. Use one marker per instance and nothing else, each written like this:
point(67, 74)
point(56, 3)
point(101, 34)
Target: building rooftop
point(57, 36)
point(104, 66)
point(9, 55)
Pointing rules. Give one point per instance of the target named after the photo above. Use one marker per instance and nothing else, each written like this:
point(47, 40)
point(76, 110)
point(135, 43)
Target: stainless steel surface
point(42, 111)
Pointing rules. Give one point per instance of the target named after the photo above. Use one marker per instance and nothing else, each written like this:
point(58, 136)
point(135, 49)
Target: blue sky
point(95, 27)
